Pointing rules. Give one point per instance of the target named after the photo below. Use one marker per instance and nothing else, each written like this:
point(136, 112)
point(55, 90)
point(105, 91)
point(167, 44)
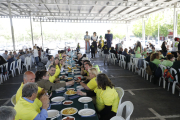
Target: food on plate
point(68, 118)
point(69, 111)
point(67, 102)
point(71, 92)
point(69, 78)
point(74, 68)
point(69, 71)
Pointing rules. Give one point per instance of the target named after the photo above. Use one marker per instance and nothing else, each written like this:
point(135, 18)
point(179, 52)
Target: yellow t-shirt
point(92, 84)
point(19, 92)
point(108, 97)
point(26, 110)
point(60, 57)
point(52, 78)
point(85, 71)
point(57, 71)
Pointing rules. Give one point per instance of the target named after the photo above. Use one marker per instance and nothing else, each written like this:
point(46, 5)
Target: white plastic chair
point(12, 68)
point(129, 110)
point(1, 74)
point(120, 92)
point(123, 63)
point(162, 77)
point(135, 62)
point(18, 66)
point(25, 64)
point(120, 59)
point(130, 64)
point(13, 99)
point(172, 70)
point(7, 72)
point(114, 59)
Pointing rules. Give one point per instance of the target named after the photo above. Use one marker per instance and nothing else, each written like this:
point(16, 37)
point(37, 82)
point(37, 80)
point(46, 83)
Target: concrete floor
point(150, 101)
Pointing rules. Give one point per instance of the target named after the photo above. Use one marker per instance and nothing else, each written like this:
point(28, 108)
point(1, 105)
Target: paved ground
point(151, 102)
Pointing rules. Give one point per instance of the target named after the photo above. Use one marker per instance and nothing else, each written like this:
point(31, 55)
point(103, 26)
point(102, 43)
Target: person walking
point(109, 38)
point(94, 38)
point(87, 44)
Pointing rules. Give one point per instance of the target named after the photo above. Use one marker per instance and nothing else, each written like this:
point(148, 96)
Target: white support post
point(127, 32)
point(12, 29)
point(143, 29)
point(175, 22)
point(41, 34)
point(158, 32)
point(31, 29)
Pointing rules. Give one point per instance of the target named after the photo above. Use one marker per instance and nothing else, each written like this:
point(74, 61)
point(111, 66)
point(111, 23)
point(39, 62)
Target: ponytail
point(39, 75)
point(154, 56)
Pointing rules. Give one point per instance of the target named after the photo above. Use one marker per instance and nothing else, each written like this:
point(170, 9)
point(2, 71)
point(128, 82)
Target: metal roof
point(84, 10)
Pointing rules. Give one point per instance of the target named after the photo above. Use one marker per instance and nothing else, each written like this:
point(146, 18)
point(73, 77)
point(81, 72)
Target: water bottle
point(72, 72)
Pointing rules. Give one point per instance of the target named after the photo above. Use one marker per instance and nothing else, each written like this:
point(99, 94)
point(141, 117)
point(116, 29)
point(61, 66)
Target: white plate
point(68, 101)
point(86, 112)
point(63, 73)
point(60, 89)
point(79, 87)
point(61, 76)
point(69, 77)
point(78, 76)
point(71, 94)
point(77, 72)
point(57, 99)
point(66, 69)
point(85, 99)
point(70, 88)
point(52, 113)
point(68, 114)
point(76, 69)
point(69, 117)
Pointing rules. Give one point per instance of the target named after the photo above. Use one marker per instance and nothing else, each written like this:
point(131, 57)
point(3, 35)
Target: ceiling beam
point(92, 8)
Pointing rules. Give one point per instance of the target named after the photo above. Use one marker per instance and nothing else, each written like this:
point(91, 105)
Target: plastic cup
point(85, 106)
point(79, 78)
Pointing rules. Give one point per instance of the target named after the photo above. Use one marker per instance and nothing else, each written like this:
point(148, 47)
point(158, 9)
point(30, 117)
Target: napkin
point(60, 91)
point(73, 97)
point(89, 116)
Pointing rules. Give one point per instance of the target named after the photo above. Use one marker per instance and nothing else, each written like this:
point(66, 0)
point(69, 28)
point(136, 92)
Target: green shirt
point(156, 61)
point(96, 66)
point(145, 54)
point(138, 55)
point(161, 56)
point(167, 63)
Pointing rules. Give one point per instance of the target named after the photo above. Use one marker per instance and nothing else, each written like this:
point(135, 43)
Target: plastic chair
point(123, 63)
point(162, 77)
point(130, 64)
point(129, 110)
point(114, 59)
point(172, 70)
point(13, 99)
point(18, 67)
point(25, 64)
point(120, 92)
point(135, 62)
point(120, 59)
point(7, 73)
point(12, 68)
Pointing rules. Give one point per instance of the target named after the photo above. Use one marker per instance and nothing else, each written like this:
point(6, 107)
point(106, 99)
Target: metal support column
point(175, 22)
point(12, 29)
point(143, 29)
point(31, 29)
point(41, 34)
point(127, 32)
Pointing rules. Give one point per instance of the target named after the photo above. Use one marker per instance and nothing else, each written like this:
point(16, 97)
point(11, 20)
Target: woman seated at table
point(92, 84)
point(107, 99)
point(42, 79)
point(125, 52)
point(169, 60)
point(138, 50)
point(155, 58)
point(56, 64)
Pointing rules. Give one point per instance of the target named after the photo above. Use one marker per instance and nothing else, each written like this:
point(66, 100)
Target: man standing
point(109, 38)
point(87, 44)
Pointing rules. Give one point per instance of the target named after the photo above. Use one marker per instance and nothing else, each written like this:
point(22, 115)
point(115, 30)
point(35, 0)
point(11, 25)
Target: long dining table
point(76, 104)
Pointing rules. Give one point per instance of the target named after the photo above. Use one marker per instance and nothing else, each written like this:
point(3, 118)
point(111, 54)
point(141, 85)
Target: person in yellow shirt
point(28, 106)
point(92, 84)
point(101, 43)
point(52, 79)
point(29, 76)
point(87, 67)
point(107, 99)
point(57, 65)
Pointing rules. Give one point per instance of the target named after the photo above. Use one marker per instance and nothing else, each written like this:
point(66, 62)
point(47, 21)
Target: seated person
point(161, 54)
point(178, 53)
point(42, 79)
point(153, 50)
point(4, 55)
point(144, 53)
point(15, 55)
point(120, 51)
point(87, 67)
point(107, 99)
point(131, 51)
point(79, 59)
point(56, 64)
point(28, 106)
point(29, 76)
point(92, 84)
point(83, 71)
point(9, 60)
point(169, 60)
point(125, 52)
point(113, 51)
point(50, 60)
point(64, 58)
point(154, 58)
point(7, 113)
point(148, 57)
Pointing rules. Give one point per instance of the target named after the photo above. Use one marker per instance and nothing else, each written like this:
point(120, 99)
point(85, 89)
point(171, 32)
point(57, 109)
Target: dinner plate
point(76, 69)
point(63, 73)
point(68, 101)
point(69, 108)
point(61, 76)
point(86, 112)
point(78, 76)
point(69, 78)
point(60, 89)
point(66, 69)
point(52, 113)
point(85, 99)
point(57, 99)
point(76, 72)
point(71, 94)
point(79, 87)
point(70, 88)
point(69, 117)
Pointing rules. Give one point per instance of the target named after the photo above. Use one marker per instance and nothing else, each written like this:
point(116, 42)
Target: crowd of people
point(32, 101)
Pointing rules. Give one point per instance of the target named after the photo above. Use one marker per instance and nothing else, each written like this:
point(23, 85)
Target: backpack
point(158, 72)
point(167, 75)
point(148, 70)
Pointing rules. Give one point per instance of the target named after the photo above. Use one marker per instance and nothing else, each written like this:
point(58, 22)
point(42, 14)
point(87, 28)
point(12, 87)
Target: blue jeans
point(36, 60)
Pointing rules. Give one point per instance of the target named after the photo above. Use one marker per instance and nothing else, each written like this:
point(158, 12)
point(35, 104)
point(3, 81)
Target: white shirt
point(94, 38)
point(175, 43)
point(35, 53)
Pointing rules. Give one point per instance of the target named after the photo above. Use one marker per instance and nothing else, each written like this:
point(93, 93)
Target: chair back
point(13, 99)
point(129, 109)
point(162, 68)
point(145, 63)
point(118, 55)
point(123, 57)
point(12, 65)
point(120, 92)
point(172, 70)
